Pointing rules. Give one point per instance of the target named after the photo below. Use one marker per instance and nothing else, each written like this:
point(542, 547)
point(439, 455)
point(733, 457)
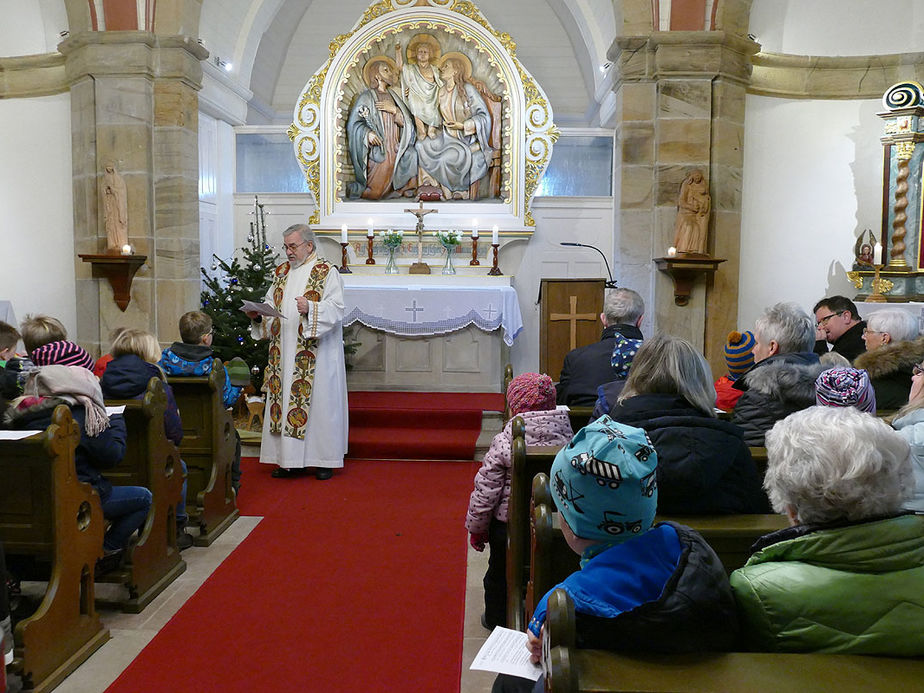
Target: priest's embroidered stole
point(296, 419)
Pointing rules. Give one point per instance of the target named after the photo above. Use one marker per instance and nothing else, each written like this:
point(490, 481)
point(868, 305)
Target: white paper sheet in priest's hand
point(505, 652)
point(261, 308)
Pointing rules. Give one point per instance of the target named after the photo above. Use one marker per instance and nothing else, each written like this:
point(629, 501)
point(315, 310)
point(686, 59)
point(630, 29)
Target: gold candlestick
point(876, 296)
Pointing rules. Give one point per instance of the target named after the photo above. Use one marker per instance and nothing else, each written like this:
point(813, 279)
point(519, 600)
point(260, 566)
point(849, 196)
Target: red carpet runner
point(353, 584)
point(417, 425)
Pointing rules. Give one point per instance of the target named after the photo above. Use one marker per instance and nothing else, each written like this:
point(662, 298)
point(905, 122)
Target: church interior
point(204, 109)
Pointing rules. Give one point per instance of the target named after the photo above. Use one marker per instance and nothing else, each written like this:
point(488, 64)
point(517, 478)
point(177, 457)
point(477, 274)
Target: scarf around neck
point(73, 383)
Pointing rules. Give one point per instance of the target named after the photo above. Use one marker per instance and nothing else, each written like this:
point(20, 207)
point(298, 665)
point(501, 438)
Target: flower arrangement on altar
point(391, 238)
point(449, 237)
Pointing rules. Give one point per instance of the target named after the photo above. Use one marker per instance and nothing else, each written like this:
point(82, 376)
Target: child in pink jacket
point(532, 397)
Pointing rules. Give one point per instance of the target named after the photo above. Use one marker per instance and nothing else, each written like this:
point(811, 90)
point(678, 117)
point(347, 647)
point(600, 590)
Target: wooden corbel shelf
point(684, 270)
point(119, 270)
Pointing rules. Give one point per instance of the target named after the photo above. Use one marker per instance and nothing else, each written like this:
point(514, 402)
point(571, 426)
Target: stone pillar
point(680, 102)
point(134, 103)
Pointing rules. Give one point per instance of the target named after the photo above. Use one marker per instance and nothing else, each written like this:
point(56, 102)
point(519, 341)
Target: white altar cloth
point(430, 307)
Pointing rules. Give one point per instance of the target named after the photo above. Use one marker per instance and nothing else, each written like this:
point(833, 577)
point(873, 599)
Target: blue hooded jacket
point(127, 377)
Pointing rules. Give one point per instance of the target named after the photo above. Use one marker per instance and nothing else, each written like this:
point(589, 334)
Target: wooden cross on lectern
point(573, 316)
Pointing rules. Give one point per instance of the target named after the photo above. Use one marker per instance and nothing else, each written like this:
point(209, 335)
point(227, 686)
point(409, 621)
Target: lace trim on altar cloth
point(416, 329)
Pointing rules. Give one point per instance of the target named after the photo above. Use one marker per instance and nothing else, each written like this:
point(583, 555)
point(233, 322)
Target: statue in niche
point(693, 207)
point(863, 252)
point(115, 209)
point(381, 135)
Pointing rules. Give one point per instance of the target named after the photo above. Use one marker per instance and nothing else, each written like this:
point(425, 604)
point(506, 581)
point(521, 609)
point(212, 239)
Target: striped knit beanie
point(845, 387)
point(61, 353)
point(530, 392)
point(738, 356)
point(623, 353)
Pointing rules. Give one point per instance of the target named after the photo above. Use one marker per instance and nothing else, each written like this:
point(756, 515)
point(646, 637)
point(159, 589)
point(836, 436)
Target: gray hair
point(832, 359)
point(831, 464)
point(898, 324)
point(788, 325)
point(622, 306)
point(671, 365)
point(304, 231)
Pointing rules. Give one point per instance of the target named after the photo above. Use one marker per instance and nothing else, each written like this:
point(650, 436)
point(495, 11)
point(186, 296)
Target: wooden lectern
point(569, 317)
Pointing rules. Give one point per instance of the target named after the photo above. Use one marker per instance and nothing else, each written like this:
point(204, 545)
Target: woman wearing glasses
point(909, 421)
point(893, 348)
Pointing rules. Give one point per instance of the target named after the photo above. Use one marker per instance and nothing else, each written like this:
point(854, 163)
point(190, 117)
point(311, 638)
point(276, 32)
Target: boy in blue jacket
point(193, 356)
point(641, 587)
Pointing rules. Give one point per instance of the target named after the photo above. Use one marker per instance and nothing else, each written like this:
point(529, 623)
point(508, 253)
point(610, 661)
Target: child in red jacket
point(739, 359)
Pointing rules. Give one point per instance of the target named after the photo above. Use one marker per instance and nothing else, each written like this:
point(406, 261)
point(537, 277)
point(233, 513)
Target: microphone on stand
point(611, 284)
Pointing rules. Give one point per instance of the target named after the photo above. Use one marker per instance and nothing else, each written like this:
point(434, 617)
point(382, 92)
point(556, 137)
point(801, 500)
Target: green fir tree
point(245, 277)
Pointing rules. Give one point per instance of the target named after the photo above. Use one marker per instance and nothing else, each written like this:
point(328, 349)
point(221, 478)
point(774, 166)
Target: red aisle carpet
point(353, 584)
point(417, 425)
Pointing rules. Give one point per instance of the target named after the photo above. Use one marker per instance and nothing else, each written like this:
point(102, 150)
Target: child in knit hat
point(45, 338)
point(641, 587)
point(739, 358)
point(846, 387)
point(624, 350)
point(530, 396)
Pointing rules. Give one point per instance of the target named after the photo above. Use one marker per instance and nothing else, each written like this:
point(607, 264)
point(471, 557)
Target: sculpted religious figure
point(115, 209)
point(693, 207)
point(420, 82)
point(381, 135)
point(458, 155)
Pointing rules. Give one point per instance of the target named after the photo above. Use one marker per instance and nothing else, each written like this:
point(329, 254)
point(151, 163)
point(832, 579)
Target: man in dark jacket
point(588, 367)
point(838, 323)
point(783, 377)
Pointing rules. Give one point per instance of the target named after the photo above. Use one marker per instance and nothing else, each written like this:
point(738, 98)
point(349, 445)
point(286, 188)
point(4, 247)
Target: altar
point(431, 333)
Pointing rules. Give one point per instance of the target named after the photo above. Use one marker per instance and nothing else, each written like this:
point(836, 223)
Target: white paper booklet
point(261, 308)
point(505, 652)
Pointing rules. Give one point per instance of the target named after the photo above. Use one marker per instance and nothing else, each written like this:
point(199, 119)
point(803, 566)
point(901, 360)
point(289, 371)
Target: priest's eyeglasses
point(294, 246)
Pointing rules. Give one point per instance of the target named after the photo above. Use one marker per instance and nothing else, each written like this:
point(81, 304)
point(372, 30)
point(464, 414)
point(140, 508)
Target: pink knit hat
point(530, 392)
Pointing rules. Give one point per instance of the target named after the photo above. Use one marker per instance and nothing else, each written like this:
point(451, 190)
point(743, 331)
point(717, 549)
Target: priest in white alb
point(305, 422)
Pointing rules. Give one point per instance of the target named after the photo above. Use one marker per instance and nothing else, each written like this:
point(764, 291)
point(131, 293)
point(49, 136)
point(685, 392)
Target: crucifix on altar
point(420, 267)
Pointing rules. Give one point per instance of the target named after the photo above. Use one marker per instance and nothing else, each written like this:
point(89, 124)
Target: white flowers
point(449, 237)
point(391, 238)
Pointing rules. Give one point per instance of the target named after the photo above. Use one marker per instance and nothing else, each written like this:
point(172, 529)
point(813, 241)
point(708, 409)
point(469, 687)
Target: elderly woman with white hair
point(893, 348)
point(847, 576)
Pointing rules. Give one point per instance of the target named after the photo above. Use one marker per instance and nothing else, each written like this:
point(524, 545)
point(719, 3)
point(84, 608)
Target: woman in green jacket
point(846, 577)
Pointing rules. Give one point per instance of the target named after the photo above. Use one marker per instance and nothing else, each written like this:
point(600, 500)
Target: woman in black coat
point(704, 465)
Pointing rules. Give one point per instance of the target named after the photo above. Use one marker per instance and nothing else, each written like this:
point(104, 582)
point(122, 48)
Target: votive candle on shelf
point(474, 228)
point(344, 237)
point(127, 250)
point(494, 238)
point(671, 252)
point(370, 228)
point(877, 254)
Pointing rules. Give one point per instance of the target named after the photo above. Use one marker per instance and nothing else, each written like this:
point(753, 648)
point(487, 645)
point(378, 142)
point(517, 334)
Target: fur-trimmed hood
point(891, 358)
point(787, 377)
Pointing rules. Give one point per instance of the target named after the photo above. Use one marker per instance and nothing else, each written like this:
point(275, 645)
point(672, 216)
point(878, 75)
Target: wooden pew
point(580, 417)
point(152, 560)
point(208, 450)
point(570, 669)
point(46, 514)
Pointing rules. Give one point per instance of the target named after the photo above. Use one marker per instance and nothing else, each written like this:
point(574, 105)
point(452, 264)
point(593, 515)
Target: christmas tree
point(245, 277)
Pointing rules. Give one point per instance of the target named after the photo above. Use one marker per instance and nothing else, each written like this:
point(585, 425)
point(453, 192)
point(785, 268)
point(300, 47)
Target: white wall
point(36, 210)
point(812, 182)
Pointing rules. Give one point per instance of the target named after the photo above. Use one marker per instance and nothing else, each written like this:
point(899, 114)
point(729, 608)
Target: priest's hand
point(252, 314)
point(302, 303)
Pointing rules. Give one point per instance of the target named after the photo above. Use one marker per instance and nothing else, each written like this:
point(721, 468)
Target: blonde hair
point(670, 365)
point(39, 330)
point(138, 342)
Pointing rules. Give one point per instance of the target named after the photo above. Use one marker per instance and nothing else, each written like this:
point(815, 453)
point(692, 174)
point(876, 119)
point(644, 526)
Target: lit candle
point(474, 228)
point(127, 250)
point(671, 252)
point(344, 237)
point(494, 239)
point(370, 230)
point(877, 254)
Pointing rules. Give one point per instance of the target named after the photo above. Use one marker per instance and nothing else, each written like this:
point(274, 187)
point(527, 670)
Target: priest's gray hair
point(304, 231)
point(898, 324)
point(834, 464)
point(788, 325)
point(622, 306)
point(671, 365)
